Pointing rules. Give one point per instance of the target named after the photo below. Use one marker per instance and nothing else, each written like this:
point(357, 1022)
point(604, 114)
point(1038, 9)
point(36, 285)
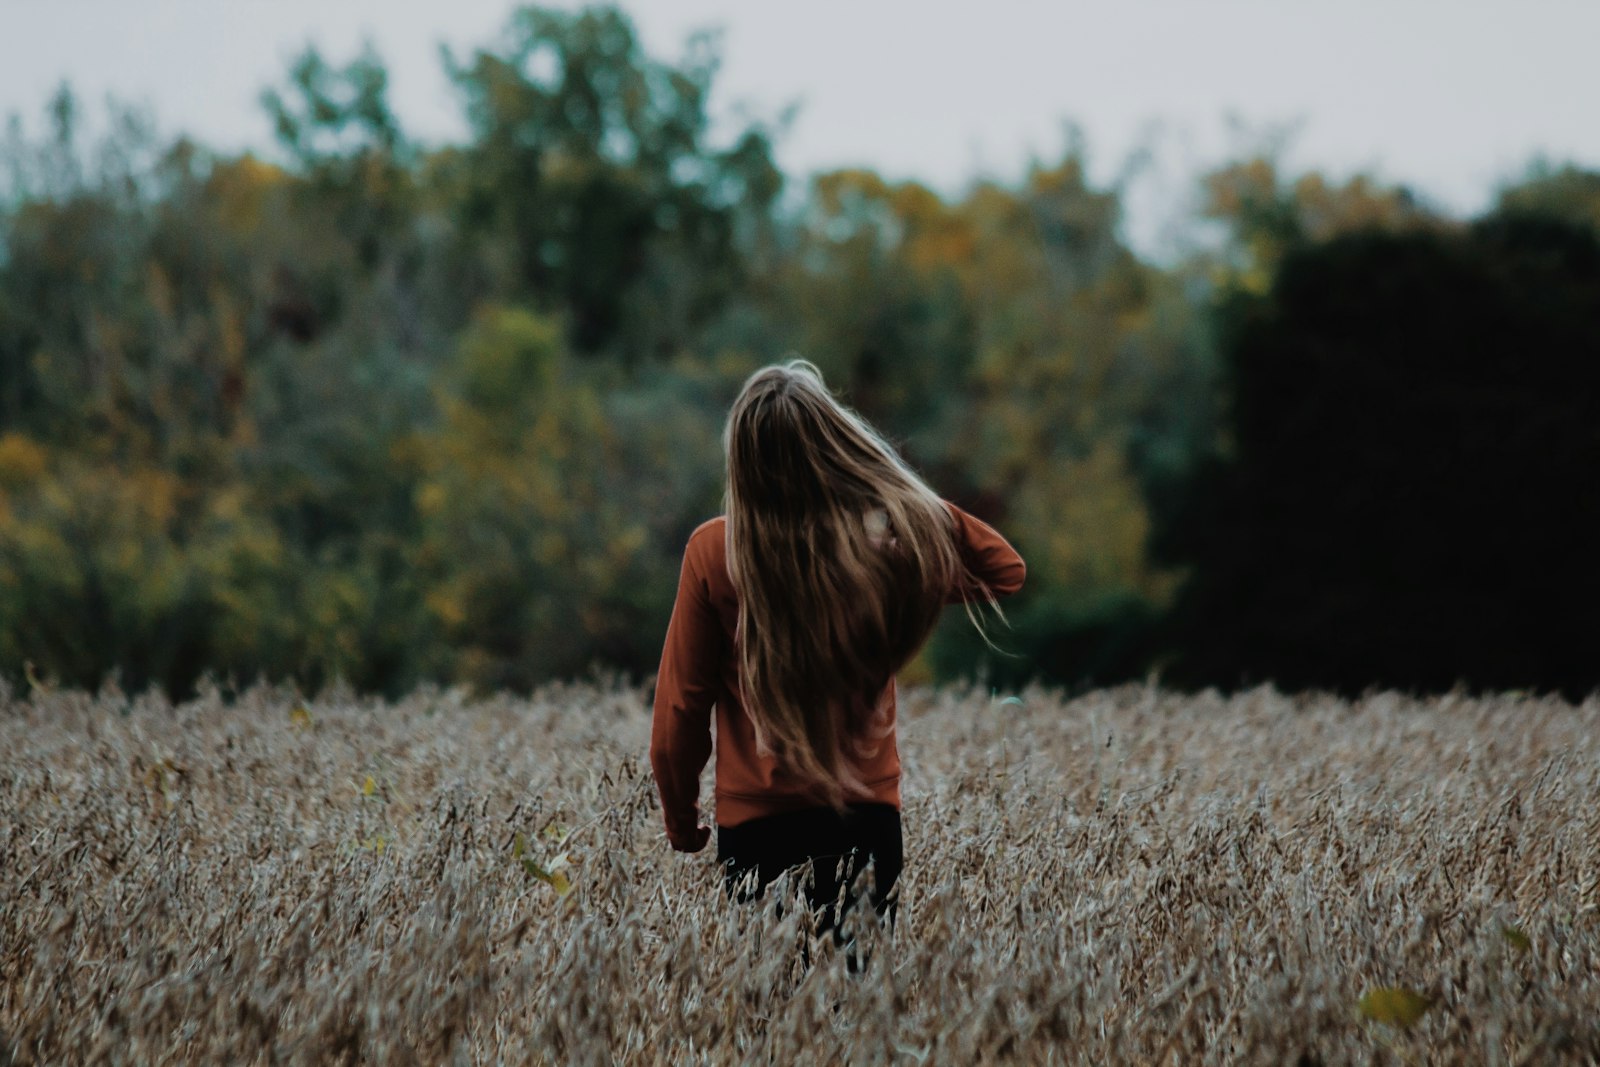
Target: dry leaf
point(1395, 1005)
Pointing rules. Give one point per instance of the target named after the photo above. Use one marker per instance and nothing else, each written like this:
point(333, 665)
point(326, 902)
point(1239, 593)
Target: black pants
point(839, 846)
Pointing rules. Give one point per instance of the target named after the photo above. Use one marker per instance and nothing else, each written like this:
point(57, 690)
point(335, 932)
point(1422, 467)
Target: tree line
point(388, 412)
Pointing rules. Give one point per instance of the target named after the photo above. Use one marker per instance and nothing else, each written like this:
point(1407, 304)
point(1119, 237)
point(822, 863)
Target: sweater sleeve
point(989, 557)
point(686, 689)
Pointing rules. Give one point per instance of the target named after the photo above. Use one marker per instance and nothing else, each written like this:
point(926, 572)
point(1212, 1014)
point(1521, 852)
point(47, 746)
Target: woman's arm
point(989, 557)
point(686, 689)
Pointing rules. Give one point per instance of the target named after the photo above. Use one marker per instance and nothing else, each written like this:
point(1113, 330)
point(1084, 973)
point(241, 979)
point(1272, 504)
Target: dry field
point(1132, 876)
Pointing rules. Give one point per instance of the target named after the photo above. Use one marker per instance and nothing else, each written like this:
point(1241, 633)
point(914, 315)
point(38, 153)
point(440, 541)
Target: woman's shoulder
point(707, 553)
point(708, 542)
point(713, 529)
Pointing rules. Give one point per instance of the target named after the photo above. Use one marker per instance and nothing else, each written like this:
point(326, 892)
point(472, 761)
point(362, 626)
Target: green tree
point(1567, 191)
point(590, 166)
point(1412, 425)
point(553, 507)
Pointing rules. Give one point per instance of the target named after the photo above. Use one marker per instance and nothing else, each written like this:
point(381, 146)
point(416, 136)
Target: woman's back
point(699, 672)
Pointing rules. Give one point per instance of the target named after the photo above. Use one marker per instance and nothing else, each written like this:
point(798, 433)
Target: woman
point(794, 611)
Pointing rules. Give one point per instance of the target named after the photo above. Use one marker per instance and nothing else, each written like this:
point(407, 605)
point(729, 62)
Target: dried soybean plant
point(1132, 876)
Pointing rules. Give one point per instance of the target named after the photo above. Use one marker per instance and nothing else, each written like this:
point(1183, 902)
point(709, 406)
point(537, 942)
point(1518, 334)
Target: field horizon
point(1130, 875)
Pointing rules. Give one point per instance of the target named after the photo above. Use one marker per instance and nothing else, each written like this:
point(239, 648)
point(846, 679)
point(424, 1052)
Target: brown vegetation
point(1131, 876)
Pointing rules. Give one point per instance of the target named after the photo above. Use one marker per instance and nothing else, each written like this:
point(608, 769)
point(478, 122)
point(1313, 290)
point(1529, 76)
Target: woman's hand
point(694, 842)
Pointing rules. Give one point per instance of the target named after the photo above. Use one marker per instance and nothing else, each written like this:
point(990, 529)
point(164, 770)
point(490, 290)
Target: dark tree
point(1411, 492)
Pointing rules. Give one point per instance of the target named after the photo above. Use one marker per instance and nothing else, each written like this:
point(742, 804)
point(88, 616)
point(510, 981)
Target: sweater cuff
point(681, 827)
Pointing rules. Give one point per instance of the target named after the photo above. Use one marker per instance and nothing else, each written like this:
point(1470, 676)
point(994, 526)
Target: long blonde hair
point(843, 559)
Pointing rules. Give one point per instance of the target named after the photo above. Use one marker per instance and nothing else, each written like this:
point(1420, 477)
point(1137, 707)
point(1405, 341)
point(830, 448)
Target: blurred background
point(390, 343)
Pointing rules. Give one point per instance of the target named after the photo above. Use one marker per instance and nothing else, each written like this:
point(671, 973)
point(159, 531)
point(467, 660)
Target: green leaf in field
point(1395, 1005)
point(1516, 938)
point(555, 875)
point(369, 787)
point(299, 717)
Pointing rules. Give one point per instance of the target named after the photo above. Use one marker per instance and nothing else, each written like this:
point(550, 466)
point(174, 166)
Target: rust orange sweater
point(699, 672)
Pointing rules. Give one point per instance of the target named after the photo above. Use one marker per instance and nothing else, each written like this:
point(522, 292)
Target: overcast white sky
point(1451, 96)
